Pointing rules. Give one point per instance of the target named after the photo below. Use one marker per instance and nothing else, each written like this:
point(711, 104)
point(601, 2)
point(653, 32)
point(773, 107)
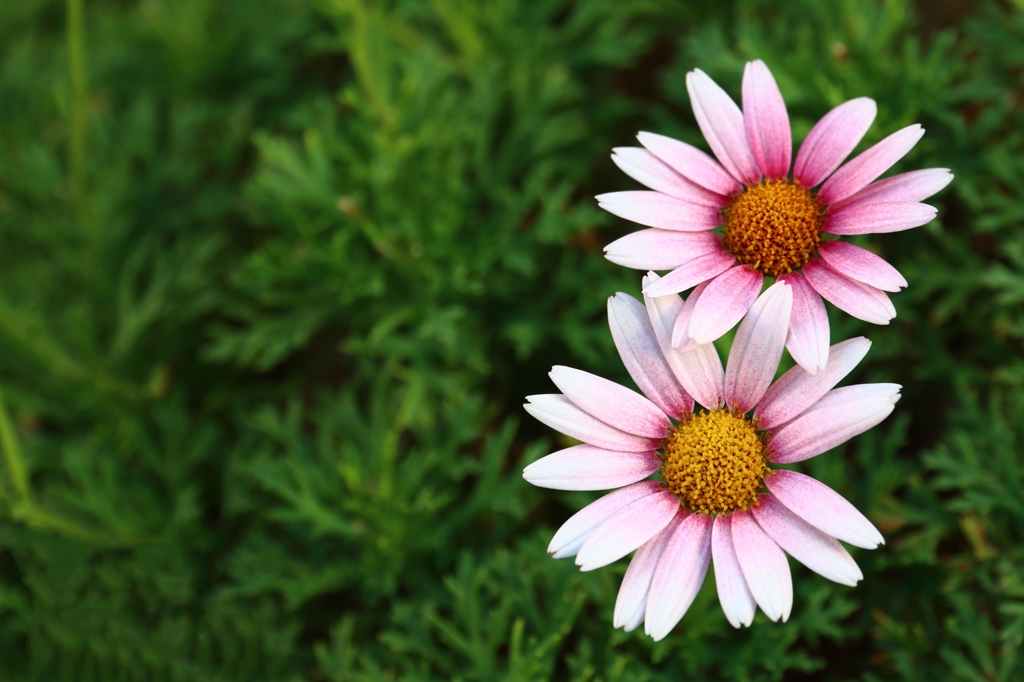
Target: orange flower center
point(715, 462)
point(774, 226)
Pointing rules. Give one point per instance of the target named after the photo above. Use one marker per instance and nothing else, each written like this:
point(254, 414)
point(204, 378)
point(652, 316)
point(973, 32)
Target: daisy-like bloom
point(774, 225)
point(716, 496)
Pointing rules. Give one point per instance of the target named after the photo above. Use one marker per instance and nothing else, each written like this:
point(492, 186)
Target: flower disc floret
point(715, 462)
point(775, 226)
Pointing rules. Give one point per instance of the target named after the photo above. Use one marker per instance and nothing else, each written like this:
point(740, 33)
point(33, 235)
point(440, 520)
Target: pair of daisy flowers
point(717, 498)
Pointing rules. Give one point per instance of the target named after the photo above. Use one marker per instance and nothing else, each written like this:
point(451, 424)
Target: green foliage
point(276, 275)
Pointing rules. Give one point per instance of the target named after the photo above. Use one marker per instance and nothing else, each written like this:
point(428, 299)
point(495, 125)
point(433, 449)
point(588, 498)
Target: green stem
point(79, 101)
point(12, 453)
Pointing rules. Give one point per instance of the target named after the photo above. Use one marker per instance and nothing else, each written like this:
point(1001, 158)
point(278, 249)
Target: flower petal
point(641, 354)
point(691, 273)
point(764, 566)
point(808, 325)
point(733, 594)
point(798, 389)
point(661, 249)
point(564, 416)
point(574, 532)
point(842, 414)
point(832, 139)
point(698, 370)
point(647, 169)
point(878, 218)
point(615, 405)
point(861, 265)
point(584, 467)
point(823, 508)
point(863, 301)
point(757, 348)
point(679, 575)
point(766, 121)
point(631, 603)
point(655, 209)
point(805, 543)
point(681, 329)
point(724, 302)
point(627, 529)
point(868, 165)
point(691, 163)
point(904, 188)
point(722, 124)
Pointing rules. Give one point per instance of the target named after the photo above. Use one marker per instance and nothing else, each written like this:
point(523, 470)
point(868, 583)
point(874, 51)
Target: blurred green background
point(275, 276)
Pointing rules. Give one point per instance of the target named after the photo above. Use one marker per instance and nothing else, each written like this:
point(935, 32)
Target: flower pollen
point(774, 226)
point(715, 462)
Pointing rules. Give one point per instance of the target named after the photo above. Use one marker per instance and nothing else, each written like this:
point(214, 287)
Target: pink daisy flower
point(774, 225)
point(717, 497)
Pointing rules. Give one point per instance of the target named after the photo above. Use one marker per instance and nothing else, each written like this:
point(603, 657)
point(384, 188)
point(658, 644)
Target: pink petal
point(878, 218)
point(584, 467)
point(863, 301)
point(808, 325)
point(641, 354)
point(646, 168)
point(661, 249)
point(764, 566)
point(766, 121)
point(692, 273)
point(679, 575)
point(722, 124)
point(724, 302)
point(757, 348)
point(561, 414)
point(798, 389)
point(613, 404)
point(574, 532)
point(832, 139)
point(868, 165)
point(842, 414)
point(861, 265)
point(655, 209)
point(823, 508)
point(805, 543)
point(692, 163)
point(698, 370)
point(627, 529)
point(681, 329)
point(905, 188)
point(733, 594)
point(631, 603)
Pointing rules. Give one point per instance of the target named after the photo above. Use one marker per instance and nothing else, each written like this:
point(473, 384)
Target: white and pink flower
point(715, 497)
point(774, 225)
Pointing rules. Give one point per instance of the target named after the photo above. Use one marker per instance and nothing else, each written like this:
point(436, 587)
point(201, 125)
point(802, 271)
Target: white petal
point(584, 467)
point(699, 370)
point(561, 414)
point(733, 594)
point(638, 347)
point(842, 414)
point(632, 600)
point(627, 529)
point(808, 545)
point(757, 348)
point(615, 405)
point(764, 566)
point(797, 389)
point(823, 508)
point(646, 168)
point(679, 575)
point(574, 532)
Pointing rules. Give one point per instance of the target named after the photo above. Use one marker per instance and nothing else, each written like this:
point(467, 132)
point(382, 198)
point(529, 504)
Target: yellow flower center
point(715, 462)
point(775, 226)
